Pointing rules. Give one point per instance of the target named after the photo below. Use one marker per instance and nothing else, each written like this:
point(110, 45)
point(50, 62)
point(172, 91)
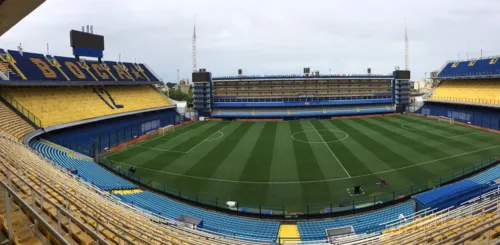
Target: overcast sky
point(269, 36)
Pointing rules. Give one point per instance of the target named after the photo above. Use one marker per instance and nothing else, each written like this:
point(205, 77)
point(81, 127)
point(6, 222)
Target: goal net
point(167, 129)
point(446, 120)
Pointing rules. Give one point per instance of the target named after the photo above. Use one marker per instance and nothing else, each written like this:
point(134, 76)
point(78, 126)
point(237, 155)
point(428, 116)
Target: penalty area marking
point(308, 181)
point(413, 128)
point(209, 138)
point(220, 135)
point(153, 138)
point(320, 142)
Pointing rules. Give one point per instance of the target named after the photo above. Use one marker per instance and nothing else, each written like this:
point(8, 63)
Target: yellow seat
point(57, 105)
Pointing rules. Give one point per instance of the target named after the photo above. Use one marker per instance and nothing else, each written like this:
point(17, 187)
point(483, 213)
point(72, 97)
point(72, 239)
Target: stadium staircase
point(103, 100)
point(288, 234)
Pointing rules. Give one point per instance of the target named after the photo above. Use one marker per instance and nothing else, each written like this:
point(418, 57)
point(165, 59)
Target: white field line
point(466, 134)
point(146, 141)
point(330, 149)
point(309, 181)
point(414, 128)
point(218, 131)
point(159, 149)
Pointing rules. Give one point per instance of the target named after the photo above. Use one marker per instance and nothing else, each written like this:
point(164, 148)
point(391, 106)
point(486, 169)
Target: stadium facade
point(300, 96)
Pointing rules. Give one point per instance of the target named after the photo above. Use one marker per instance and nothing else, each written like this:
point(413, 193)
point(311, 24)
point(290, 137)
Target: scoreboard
point(86, 44)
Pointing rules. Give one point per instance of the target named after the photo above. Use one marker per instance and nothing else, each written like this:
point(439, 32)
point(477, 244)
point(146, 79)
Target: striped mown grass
point(307, 163)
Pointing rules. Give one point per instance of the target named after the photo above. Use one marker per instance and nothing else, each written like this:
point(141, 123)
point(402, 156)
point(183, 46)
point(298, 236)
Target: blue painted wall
point(479, 116)
point(111, 132)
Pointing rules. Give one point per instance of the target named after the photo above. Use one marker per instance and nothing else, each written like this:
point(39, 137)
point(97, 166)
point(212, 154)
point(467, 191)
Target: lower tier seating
point(313, 111)
point(58, 105)
point(487, 176)
point(221, 223)
point(87, 169)
point(12, 123)
point(100, 216)
point(469, 91)
point(363, 223)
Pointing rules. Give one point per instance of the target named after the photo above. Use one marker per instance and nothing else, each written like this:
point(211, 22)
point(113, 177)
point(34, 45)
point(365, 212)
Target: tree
point(177, 94)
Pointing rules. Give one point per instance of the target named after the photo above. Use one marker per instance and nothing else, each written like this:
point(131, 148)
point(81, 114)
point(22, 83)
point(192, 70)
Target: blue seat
point(221, 223)
point(363, 223)
point(87, 169)
point(487, 176)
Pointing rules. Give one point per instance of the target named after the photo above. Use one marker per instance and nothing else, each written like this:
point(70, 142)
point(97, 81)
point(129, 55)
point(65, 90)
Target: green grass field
point(306, 162)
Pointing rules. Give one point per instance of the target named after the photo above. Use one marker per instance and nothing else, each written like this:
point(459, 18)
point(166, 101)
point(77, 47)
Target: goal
point(446, 119)
point(166, 129)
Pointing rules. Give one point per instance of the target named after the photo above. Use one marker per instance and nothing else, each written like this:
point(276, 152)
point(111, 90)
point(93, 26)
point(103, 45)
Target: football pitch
point(293, 164)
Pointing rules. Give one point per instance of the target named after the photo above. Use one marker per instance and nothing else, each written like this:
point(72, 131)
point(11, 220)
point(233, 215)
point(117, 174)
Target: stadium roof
point(13, 11)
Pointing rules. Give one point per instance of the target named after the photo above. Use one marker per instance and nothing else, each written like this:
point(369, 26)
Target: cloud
point(269, 36)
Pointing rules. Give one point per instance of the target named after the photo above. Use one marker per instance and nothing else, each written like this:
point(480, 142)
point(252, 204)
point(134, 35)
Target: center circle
point(295, 136)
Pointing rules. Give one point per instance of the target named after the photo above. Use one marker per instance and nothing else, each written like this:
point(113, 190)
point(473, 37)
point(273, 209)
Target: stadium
point(93, 152)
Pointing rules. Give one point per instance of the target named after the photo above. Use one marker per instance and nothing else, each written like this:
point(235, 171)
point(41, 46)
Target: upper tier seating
point(363, 223)
point(221, 223)
point(87, 169)
point(12, 123)
point(469, 91)
point(471, 68)
point(58, 105)
point(38, 67)
point(96, 210)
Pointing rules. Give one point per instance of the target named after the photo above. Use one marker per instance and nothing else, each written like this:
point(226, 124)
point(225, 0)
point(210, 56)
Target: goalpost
point(446, 119)
point(166, 129)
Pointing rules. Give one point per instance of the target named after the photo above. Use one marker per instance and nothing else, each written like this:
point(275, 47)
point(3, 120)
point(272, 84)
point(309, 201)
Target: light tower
point(194, 48)
point(407, 62)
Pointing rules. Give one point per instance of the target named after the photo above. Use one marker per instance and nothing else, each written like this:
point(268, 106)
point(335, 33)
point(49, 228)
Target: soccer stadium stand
point(363, 223)
point(469, 91)
point(12, 123)
point(487, 176)
point(221, 223)
point(86, 168)
point(280, 112)
point(38, 67)
point(301, 96)
point(474, 222)
point(59, 105)
point(82, 214)
point(474, 68)
point(20, 222)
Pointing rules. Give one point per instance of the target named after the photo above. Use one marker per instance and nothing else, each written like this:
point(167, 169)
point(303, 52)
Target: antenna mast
point(407, 62)
point(194, 48)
